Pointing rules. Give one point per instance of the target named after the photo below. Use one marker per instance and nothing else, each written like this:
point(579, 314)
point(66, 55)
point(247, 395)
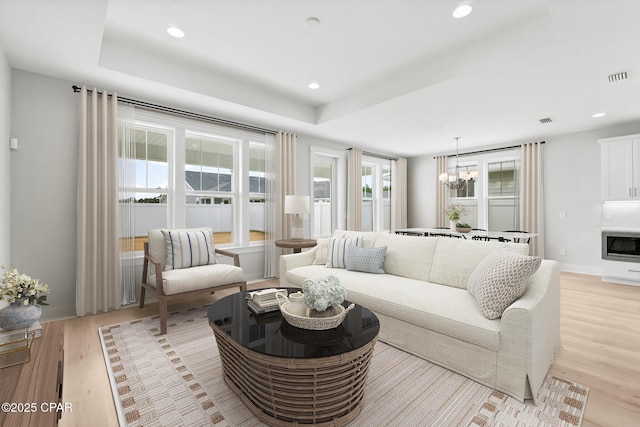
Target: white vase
point(18, 316)
point(452, 225)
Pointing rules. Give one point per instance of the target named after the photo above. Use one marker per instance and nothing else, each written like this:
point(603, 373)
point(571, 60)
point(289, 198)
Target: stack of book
point(264, 300)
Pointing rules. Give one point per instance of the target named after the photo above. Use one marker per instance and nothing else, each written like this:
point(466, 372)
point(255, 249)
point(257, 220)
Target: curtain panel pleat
point(441, 192)
point(127, 201)
point(532, 195)
point(354, 189)
point(98, 267)
point(282, 182)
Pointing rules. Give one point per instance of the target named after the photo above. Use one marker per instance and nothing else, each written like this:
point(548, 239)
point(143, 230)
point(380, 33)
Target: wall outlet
point(563, 215)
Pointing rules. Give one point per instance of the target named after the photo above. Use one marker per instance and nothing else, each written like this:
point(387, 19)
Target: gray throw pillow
point(366, 260)
point(500, 279)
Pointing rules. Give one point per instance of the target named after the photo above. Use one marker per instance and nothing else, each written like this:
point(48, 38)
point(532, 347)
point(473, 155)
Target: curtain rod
point(183, 113)
point(380, 156)
point(488, 150)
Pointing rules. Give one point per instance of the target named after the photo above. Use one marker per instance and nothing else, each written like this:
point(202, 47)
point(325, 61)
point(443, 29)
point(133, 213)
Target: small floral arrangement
point(321, 294)
point(455, 210)
point(21, 289)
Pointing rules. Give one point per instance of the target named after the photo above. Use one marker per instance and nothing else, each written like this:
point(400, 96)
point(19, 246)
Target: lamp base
point(297, 230)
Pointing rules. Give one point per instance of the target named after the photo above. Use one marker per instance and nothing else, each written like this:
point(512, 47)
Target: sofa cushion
point(447, 310)
point(366, 260)
point(408, 256)
point(188, 248)
point(338, 255)
point(196, 278)
point(451, 269)
point(500, 279)
point(368, 237)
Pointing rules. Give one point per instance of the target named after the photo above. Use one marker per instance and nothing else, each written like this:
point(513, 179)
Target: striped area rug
point(176, 380)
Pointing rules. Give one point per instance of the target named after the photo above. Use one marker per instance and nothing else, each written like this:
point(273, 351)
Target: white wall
point(5, 163)
point(43, 193)
point(571, 185)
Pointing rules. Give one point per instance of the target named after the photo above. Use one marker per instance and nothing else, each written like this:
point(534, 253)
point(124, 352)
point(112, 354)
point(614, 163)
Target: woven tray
point(332, 317)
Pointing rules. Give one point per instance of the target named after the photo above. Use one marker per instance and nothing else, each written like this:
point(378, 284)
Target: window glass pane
point(502, 214)
point(367, 215)
point(257, 176)
point(502, 179)
point(149, 212)
point(367, 181)
point(322, 212)
point(214, 212)
point(151, 167)
point(208, 164)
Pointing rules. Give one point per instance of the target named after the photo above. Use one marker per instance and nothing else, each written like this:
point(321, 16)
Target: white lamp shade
point(296, 204)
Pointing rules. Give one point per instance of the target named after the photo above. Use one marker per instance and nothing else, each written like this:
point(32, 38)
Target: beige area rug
point(176, 380)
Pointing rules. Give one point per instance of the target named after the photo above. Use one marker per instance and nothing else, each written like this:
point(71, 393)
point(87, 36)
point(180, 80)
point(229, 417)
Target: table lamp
point(296, 205)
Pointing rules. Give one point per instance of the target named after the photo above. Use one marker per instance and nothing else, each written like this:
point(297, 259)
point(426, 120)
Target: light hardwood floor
point(600, 331)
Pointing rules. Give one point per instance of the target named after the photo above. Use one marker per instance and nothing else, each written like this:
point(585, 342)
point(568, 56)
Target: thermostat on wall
point(13, 144)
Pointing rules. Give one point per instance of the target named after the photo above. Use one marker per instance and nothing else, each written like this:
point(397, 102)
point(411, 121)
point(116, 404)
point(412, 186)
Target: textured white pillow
point(367, 260)
point(188, 249)
point(337, 255)
point(500, 279)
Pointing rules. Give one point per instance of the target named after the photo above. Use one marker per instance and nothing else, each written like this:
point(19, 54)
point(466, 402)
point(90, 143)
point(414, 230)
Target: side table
point(296, 244)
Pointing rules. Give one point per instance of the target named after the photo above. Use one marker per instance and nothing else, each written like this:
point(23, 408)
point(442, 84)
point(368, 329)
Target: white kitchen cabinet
point(620, 159)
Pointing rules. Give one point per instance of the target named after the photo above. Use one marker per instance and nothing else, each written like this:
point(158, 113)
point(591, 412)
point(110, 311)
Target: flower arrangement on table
point(455, 210)
point(20, 289)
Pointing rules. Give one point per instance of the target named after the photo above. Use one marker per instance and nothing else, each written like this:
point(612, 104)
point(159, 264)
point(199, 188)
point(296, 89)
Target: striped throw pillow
point(337, 255)
point(188, 249)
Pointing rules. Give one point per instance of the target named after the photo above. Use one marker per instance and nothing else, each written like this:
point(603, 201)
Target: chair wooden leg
point(163, 315)
point(143, 290)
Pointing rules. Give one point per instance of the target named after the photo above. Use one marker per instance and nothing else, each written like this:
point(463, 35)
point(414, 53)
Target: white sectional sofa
point(424, 307)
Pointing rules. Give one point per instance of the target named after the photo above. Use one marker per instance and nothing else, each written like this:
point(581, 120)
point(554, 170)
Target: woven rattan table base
point(325, 391)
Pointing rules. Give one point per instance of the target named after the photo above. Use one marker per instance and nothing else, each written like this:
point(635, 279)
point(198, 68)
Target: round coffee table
point(290, 376)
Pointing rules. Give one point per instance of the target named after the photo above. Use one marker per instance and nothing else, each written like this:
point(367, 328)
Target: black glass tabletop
point(270, 334)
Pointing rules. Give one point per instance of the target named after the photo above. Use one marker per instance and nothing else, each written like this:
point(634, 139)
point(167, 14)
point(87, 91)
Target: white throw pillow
point(188, 249)
point(322, 251)
point(366, 260)
point(337, 255)
point(500, 279)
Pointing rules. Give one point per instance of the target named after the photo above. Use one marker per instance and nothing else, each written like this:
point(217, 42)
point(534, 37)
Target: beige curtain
point(399, 194)
point(441, 192)
point(282, 182)
point(98, 267)
point(532, 195)
point(354, 189)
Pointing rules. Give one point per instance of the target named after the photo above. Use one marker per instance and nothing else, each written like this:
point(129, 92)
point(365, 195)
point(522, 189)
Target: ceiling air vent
point(618, 77)
point(546, 120)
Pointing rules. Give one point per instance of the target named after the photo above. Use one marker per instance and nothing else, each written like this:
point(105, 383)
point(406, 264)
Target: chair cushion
point(202, 277)
point(500, 279)
point(366, 260)
point(188, 248)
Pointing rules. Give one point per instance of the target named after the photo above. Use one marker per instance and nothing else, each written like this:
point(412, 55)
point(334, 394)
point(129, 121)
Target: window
point(376, 194)
point(493, 199)
point(323, 178)
point(503, 201)
point(190, 174)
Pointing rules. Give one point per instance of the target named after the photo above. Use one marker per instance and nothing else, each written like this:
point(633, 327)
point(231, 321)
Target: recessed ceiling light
point(462, 11)
point(175, 32)
point(596, 115)
point(314, 85)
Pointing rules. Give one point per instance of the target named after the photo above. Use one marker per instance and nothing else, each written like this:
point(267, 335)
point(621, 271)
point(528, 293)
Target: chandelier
point(461, 177)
